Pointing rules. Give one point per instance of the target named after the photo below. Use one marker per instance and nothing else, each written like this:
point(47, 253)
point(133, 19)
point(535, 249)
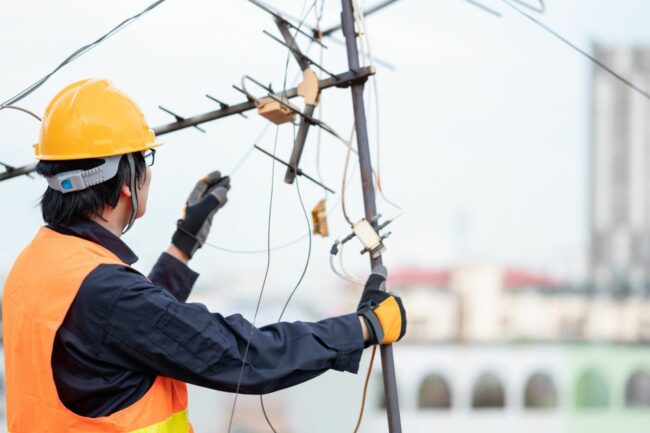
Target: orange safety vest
point(37, 295)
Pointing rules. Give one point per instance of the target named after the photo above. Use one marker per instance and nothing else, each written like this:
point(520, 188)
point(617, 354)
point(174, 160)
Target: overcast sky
point(483, 127)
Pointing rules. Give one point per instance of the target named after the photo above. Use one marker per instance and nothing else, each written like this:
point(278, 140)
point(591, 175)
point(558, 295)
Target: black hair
point(66, 209)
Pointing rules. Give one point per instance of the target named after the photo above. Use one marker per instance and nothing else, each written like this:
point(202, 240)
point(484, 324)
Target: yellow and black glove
point(382, 311)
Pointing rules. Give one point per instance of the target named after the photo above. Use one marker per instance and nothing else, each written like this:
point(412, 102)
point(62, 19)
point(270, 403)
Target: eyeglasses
point(150, 157)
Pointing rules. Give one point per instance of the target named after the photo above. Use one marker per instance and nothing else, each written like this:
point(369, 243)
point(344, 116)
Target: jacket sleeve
point(173, 275)
point(151, 331)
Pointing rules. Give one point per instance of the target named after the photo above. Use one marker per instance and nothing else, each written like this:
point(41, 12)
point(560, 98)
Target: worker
point(91, 344)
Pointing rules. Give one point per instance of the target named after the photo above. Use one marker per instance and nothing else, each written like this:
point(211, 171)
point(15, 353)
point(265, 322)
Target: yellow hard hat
point(92, 119)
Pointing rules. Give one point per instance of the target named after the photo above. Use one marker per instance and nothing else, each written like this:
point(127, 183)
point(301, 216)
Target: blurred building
point(504, 388)
point(620, 173)
point(493, 304)
point(500, 349)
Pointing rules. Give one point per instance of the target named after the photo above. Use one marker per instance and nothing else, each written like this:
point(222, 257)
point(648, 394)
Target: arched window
point(488, 392)
point(637, 389)
point(591, 390)
point(540, 392)
point(434, 393)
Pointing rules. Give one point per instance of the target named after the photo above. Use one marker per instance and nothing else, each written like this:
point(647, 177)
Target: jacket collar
point(90, 230)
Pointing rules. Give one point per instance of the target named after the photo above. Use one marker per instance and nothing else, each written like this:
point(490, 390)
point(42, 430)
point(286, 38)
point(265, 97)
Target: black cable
point(293, 292)
point(302, 276)
point(24, 110)
point(78, 53)
point(304, 270)
point(268, 258)
point(284, 87)
point(266, 274)
point(276, 248)
point(332, 208)
point(579, 50)
point(266, 416)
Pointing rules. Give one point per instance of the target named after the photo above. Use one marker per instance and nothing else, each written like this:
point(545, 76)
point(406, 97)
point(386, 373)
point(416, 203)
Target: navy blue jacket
point(124, 329)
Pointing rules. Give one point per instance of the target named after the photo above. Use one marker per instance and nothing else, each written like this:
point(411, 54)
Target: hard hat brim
point(91, 155)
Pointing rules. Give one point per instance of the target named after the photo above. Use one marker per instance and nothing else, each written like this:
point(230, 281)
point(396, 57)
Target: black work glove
point(209, 194)
point(382, 311)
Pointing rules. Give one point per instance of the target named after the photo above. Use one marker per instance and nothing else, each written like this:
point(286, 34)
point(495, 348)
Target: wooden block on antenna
point(274, 111)
point(308, 88)
point(319, 218)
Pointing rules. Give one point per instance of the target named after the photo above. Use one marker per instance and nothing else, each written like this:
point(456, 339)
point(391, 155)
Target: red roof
point(439, 278)
point(517, 278)
point(419, 276)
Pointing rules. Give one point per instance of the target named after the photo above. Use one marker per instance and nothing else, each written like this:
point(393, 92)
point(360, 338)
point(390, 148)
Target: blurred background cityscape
point(523, 171)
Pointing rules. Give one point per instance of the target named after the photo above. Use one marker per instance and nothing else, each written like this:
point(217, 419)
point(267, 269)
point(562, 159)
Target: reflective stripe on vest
point(177, 422)
point(37, 295)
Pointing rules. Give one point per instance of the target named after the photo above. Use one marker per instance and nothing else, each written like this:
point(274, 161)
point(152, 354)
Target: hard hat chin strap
point(134, 192)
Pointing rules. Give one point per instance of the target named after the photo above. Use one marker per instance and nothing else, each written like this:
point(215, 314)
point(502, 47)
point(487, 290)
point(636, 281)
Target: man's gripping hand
point(192, 230)
point(382, 311)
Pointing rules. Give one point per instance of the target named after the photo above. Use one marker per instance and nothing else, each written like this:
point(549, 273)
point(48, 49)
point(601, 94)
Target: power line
point(78, 53)
point(615, 74)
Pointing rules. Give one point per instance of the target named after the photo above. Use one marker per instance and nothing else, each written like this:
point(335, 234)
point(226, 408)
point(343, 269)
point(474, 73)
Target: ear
point(125, 191)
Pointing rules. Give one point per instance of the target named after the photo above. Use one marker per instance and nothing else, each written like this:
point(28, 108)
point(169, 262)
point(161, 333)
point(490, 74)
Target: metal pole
point(365, 165)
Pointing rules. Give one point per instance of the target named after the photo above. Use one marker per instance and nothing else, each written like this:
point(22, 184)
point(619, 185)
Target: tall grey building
point(620, 173)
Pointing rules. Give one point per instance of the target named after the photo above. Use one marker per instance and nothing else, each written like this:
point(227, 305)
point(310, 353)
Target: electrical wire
point(295, 288)
point(304, 270)
point(266, 274)
point(539, 9)
point(266, 416)
point(365, 389)
point(350, 149)
point(268, 258)
point(344, 177)
point(345, 275)
point(333, 267)
point(258, 251)
point(377, 172)
point(597, 62)
point(24, 110)
point(237, 166)
point(241, 161)
point(319, 133)
point(9, 168)
point(78, 53)
point(345, 272)
point(332, 208)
